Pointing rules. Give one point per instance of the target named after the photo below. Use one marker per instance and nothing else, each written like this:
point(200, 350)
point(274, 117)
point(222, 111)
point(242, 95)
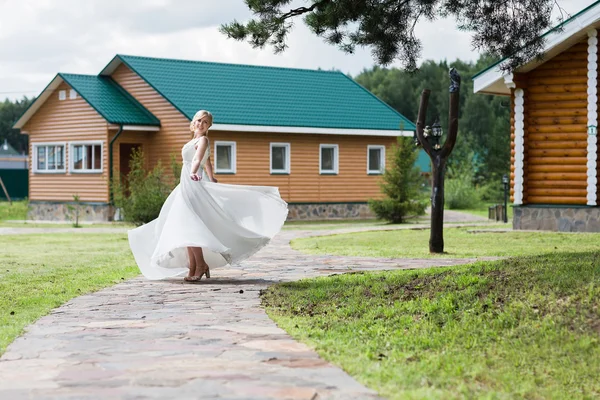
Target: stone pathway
point(168, 340)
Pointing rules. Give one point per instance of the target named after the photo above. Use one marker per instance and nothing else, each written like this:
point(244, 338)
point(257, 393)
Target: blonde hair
point(198, 116)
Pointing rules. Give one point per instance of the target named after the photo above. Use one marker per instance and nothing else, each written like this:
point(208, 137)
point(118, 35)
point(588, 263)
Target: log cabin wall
point(556, 129)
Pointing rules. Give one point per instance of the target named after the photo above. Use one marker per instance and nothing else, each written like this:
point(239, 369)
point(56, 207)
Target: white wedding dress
point(229, 222)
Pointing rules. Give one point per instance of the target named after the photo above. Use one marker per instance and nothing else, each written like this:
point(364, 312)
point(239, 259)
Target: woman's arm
point(202, 143)
point(209, 170)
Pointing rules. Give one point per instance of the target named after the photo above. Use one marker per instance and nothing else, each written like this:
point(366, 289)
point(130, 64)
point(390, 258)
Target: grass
point(18, 210)
point(331, 224)
point(41, 272)
point(517, 328)
point(458, 242)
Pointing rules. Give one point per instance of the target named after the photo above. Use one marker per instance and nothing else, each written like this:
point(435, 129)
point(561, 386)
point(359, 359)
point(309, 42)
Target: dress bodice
point(188, 152)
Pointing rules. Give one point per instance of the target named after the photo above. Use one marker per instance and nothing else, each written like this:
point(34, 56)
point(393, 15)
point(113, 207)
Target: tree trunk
point(439, 157)
point(436, 238)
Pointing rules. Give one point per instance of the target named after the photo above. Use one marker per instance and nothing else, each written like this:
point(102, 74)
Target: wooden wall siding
point(67, 121)
point(556, 129)
point(175, 127)
point(305, 184)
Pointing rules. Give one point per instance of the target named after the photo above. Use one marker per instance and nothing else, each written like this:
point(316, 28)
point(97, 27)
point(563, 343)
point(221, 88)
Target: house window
point(62, 94)
point(328, 161)
point(375, 159)
point(49, 158)
point(280, 158)
point(86, 157)
point(225, 157)
point(72, 94)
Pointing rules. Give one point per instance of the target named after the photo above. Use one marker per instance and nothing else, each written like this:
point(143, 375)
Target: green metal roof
point(110, 100)
point(267, 96)
point(557, 27)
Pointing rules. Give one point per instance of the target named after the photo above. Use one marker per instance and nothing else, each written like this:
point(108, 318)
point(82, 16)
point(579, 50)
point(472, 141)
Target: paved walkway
point(155, 340)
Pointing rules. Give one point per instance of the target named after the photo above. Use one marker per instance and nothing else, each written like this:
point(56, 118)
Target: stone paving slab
point(165, 339)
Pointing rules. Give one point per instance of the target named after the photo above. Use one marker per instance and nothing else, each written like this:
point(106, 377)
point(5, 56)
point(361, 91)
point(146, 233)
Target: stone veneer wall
point(329, 211)
point(560, 219)
point(55, 211)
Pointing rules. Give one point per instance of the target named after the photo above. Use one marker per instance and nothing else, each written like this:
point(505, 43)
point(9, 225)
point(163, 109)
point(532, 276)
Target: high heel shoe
point(206, 272)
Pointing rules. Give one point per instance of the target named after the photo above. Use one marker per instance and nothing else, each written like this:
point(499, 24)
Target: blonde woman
point(202, 224)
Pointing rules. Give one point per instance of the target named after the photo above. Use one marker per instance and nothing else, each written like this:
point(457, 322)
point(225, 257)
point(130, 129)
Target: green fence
point(16, 182)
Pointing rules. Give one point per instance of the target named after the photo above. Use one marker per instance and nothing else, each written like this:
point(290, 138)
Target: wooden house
point(317, 135)
point(554, 118)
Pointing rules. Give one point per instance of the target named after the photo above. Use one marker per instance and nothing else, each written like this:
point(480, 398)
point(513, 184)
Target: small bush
point(460, 193)
point(140, 195)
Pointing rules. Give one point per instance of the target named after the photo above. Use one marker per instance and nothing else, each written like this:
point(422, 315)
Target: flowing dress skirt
point(229, 222)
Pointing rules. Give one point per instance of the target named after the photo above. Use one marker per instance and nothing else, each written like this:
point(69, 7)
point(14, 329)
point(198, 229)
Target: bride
point(203, 224)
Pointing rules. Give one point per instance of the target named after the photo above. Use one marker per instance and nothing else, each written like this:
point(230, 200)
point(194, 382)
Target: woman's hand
point(195, 177)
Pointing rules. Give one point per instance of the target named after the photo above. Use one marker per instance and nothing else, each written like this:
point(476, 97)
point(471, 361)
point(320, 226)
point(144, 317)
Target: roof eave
point(38, 102)
point(311, 130)
point(492, 80)
point(111, 66)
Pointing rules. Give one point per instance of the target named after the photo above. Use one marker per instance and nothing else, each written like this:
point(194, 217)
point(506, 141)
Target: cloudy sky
point(39, 38)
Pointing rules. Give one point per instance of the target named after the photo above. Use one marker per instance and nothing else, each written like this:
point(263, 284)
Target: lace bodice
point(188, 152)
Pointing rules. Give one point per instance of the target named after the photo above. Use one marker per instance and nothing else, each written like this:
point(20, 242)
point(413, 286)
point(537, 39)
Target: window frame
point(72, 157)
point(381, 169)
point(233, 168)
point(288, 162)
point(34, 150)
point(336, 161)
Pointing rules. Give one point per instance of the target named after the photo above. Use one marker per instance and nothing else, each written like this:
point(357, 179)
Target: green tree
point(504, 29)
point(484, 130)
point(401, 185)
point(9, 113)
point(141, 194)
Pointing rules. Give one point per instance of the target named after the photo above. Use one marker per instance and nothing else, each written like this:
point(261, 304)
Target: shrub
point(460, 194)
point(401, 185)
point(459, 188)
point(141, 194)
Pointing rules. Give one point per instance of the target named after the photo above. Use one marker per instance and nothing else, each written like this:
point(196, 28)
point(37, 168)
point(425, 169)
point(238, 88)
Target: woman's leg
point(201, 266)
point(193, 263)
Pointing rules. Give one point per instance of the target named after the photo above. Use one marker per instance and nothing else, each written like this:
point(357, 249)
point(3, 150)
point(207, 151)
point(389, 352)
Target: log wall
point(556, 129)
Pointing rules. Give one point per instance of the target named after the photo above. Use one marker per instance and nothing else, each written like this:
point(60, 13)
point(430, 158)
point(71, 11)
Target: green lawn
point(16, 211)
point(518, 328)
point(41, 272)
point(458, 242)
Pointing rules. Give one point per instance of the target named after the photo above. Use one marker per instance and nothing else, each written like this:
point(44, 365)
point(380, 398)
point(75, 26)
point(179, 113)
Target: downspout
point(110, 162)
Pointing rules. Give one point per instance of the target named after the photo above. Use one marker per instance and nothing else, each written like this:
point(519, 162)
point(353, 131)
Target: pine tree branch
point(302, 10)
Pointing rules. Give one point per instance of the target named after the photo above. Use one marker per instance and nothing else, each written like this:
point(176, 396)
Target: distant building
point(11, 159)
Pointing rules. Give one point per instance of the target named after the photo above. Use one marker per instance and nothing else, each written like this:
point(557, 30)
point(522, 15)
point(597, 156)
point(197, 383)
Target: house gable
point(558, 39)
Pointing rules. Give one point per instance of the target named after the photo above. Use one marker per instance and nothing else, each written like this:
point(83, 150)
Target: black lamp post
point(505, 182)
point(432, 134)
point(436, 134)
